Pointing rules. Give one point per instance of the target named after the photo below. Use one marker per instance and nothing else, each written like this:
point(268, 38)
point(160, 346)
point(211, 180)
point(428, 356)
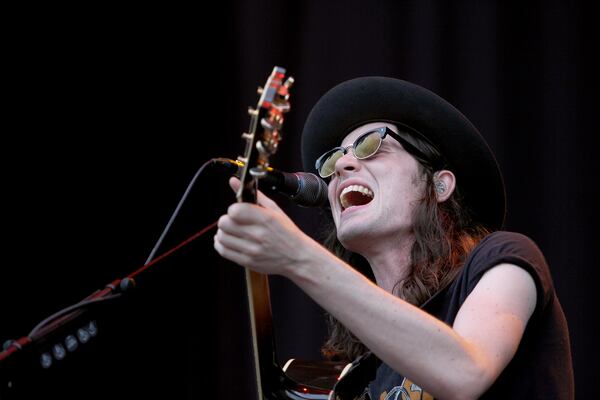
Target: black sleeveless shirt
point(542, 365)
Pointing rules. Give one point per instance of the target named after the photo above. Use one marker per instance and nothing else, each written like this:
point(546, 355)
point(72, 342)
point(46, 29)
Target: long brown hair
point(444, 233)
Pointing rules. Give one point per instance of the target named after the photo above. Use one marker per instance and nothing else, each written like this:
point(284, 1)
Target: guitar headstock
point(272, 104)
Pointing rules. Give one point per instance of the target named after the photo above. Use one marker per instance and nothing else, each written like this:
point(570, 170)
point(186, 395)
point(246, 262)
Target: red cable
point(172, 250)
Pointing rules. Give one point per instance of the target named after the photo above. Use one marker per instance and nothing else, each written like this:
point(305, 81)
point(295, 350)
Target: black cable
point(87, 302)
point(108, 293)
point(67, 310)
point(177, 209)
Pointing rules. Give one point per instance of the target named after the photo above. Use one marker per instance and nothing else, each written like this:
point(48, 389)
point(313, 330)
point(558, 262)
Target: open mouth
point(355, 195)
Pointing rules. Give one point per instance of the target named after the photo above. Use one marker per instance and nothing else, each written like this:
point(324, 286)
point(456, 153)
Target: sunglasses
point(363, 147)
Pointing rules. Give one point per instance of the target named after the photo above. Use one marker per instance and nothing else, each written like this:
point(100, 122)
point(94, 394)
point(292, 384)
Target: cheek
point(400, 197)
point(333, 203)
point(331, 194)
point(330, 191)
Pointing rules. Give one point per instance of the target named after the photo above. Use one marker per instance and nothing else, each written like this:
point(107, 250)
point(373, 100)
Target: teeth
point(354, 188)
point(357, 188)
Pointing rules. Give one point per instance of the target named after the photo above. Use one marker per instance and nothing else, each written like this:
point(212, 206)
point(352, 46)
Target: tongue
point(351, 199)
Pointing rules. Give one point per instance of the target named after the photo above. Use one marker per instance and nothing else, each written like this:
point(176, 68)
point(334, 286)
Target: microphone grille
point(312, 191)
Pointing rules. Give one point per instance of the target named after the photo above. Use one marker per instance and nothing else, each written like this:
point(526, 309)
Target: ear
point(444, 182)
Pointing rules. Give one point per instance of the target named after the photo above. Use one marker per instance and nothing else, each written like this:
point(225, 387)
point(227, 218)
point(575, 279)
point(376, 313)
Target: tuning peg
point(283, 106)
point(260, 90)
point(284, 90)
point(252, 111)
point(289, 82)
point(266, 124)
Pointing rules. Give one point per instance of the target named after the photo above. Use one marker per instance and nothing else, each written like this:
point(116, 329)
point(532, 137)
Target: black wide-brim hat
point(367, 99)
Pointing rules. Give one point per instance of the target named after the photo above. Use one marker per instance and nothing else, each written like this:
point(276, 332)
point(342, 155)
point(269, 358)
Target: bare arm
point(449, 362)
point(463, 360)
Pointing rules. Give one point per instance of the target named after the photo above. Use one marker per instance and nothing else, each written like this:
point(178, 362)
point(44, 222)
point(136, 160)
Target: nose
point(347, 163)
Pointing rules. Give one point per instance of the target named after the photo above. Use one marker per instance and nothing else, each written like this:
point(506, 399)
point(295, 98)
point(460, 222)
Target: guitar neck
point(267, 118)
point(261, 323)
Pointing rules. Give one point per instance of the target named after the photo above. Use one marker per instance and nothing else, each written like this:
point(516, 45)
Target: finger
point(261, 198)
point(245, 214)
point(229, 226)
point(238, 258)
point(234, 183)
point(244, 225)
point(236, 244)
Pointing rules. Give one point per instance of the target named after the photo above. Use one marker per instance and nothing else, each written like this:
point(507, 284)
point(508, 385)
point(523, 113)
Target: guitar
point(261, 142)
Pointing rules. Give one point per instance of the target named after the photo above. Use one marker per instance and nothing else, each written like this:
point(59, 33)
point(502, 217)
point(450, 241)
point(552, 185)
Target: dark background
point(109, 113)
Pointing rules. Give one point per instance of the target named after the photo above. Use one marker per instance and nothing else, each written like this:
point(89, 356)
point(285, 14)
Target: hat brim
point(367, 99)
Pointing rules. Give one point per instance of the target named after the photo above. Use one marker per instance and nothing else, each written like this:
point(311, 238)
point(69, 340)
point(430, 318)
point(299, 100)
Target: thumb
point(234, 183)
point(261, 198)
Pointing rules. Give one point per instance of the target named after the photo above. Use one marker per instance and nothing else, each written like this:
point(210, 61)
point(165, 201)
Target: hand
point(261, 237)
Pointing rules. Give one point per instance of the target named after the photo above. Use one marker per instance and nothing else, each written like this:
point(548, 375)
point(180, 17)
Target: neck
point(390, 262)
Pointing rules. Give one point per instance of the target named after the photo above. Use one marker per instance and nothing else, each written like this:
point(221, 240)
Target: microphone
point(304, 188)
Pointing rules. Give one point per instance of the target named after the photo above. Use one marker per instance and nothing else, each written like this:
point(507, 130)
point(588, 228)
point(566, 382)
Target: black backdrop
point(110, 112)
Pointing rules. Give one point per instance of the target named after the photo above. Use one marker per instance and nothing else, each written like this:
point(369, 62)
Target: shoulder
point(504, 247)
point(510, 244)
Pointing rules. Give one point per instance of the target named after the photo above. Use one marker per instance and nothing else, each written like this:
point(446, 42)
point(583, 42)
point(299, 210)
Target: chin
point(352, 239)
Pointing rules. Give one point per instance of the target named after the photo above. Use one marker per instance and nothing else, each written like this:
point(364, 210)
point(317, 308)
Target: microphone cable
point(177, 209)
point(115, 288)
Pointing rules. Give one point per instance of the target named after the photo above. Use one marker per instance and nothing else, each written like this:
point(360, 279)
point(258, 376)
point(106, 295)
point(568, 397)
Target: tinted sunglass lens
point(367, 145)
point(327, 164)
